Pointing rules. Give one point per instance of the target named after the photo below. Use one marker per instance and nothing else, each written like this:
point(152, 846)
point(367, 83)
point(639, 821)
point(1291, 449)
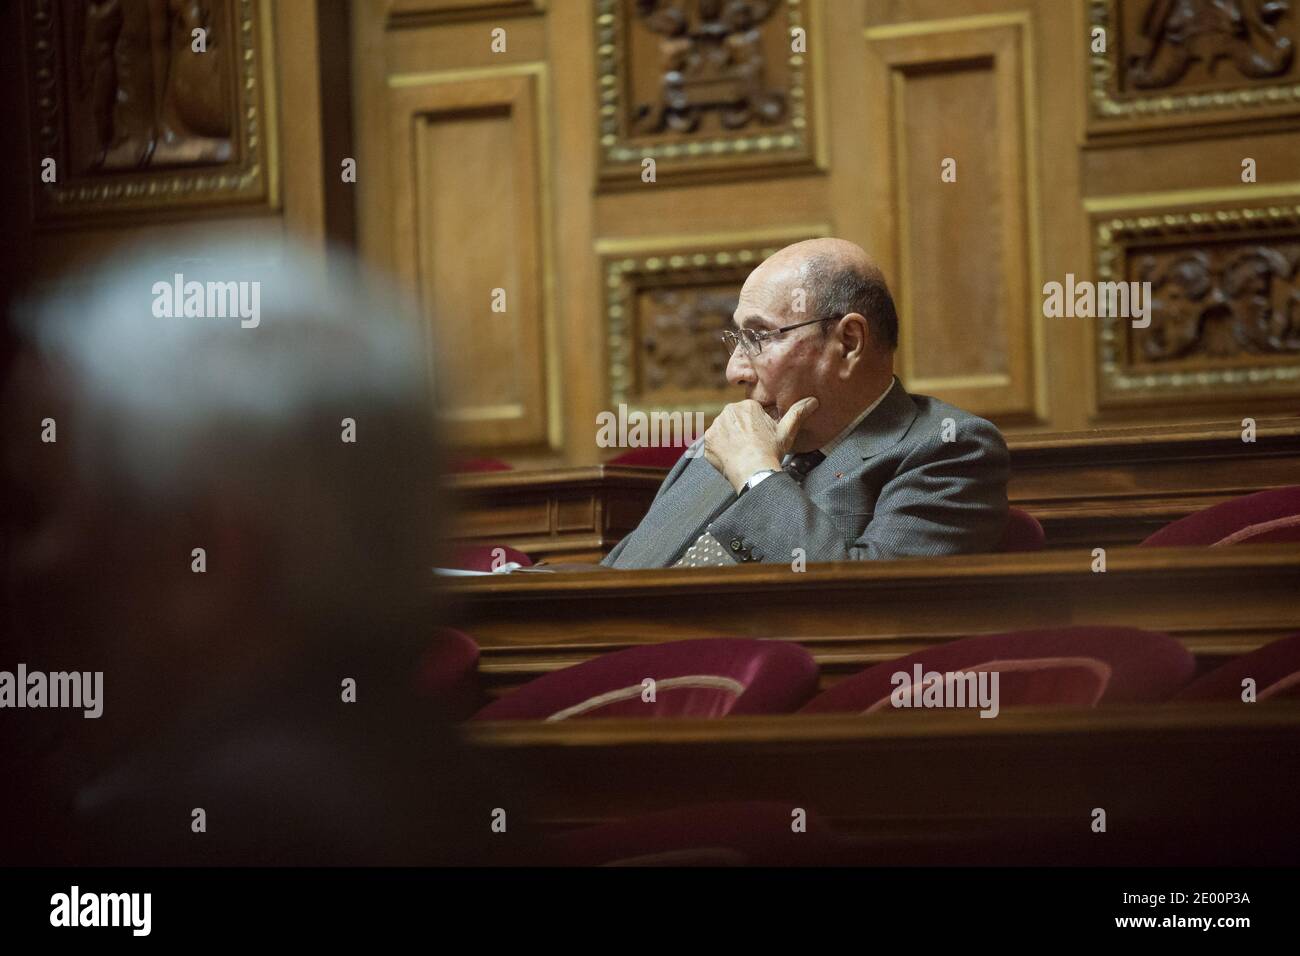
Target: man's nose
point(739, 369)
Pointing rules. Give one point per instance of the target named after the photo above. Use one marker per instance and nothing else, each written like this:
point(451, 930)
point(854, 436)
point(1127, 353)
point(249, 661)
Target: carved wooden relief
point(1171, 61)
point(701, 86)
point(678, 329)
point(665, 313)
point(147, 104)
point(1225, 302)
point(1237, 299)
point(1207, 43)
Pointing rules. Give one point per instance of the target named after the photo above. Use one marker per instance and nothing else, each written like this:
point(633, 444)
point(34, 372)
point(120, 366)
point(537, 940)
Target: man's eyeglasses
point(753, 341)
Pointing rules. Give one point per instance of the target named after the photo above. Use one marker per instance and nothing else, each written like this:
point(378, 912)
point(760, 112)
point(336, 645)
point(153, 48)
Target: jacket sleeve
point(945, 498)
point(693, 451)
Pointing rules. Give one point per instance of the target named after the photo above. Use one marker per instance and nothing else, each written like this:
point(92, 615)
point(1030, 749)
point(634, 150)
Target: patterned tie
point(707, 551)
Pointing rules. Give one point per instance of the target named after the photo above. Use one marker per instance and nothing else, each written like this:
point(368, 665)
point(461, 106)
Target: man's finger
point(793, 420)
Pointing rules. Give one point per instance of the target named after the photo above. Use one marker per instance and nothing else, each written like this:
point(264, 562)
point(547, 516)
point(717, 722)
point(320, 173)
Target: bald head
point(823, 326)
point(837, 278)
point(848, 255)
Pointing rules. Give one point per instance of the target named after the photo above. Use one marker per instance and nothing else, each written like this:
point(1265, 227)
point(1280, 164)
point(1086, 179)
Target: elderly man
point(828, 458)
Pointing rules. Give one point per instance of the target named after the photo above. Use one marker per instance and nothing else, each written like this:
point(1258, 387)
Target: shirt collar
point(834, 443)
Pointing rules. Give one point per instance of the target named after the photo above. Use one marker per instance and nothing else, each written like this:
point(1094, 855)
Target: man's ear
point(854, 339)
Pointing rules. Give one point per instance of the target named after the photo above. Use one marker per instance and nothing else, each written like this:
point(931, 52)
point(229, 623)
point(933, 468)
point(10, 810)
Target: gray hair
point(837, 288)
point(169, 409)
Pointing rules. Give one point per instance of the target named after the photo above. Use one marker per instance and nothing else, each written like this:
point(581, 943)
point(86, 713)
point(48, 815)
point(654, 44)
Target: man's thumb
point(793, 420)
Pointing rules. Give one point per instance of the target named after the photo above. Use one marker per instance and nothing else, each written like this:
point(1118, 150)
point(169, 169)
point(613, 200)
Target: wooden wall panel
point(282, 59)
point(1010, 89)
point(406, 13)
point(467, 175)
point(1225, 283)
point(1189, 181)
point(703, 89)
point(963, 261)
point(138, 121)
point(1193, 62)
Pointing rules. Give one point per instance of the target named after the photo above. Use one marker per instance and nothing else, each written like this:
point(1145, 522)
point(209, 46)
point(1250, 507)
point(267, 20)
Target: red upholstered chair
point(479, 557)
point(719, 834)
point(1023, 533)
point(1055, 667)
point(662, 457)
point(703, 678)
point(1275, 669)
point(466, 465)
point(1266, 516)
point(447, 675)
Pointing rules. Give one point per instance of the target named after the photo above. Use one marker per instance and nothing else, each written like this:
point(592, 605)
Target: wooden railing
point(1218, 601)
point(1177, 783)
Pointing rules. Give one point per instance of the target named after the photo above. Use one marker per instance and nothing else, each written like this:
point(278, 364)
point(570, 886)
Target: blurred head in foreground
point(238, 518)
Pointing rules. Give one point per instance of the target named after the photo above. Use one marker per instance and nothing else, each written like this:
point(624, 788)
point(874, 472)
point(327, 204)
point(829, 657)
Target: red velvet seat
point(1266, 516)
point(479, 557)
point(720, 834)
point(1275, 668)
point(1023, 533)
point(1060, 667)
point(662, 457)
point(447, 675)
point(702, 678)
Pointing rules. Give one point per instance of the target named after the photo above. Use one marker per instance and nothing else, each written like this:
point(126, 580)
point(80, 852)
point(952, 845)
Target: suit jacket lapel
point(881, 430)
point(678, 518)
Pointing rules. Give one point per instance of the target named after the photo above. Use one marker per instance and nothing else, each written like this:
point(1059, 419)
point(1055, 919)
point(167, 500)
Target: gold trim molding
point(251, 178)
point(1112, 237)
point(1106, 107)
point(620, 159)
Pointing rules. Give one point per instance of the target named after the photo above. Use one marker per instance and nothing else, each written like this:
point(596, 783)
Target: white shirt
point(835, 442)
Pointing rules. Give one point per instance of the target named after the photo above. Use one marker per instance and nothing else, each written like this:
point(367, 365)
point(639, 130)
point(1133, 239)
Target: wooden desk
point(1219, 601)
point(567, 514)
point(1179, 783)
point(1087, 488)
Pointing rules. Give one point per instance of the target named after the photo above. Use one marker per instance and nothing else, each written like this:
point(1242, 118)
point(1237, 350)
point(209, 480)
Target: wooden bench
point(1178, 783)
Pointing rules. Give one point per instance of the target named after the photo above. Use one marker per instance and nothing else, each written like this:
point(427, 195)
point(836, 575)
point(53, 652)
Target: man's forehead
point(761, 302)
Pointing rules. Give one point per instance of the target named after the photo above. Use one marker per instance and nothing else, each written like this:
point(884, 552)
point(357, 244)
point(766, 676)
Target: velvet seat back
point(1061, 667)
point(696, 678)
point(1264, 517)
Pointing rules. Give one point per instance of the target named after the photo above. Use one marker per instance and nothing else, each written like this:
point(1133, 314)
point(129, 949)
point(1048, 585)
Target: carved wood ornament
point(1178, 33)
point(147, 104)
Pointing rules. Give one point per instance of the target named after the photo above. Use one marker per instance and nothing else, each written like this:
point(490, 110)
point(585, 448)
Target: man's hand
point(743, 439)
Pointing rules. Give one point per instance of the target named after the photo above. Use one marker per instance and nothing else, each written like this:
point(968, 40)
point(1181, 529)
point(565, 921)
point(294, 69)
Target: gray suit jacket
point(892, 489)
